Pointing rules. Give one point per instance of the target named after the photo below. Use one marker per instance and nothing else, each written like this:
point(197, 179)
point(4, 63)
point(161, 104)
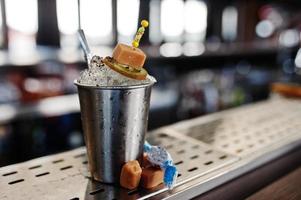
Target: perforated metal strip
point(207, 151)
point(243, 131)
point(65, 174)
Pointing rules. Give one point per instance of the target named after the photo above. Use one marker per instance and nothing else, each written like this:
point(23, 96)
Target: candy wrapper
point(159, 156)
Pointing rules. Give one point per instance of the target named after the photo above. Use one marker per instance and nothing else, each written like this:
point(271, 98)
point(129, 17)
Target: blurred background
point(206, 55)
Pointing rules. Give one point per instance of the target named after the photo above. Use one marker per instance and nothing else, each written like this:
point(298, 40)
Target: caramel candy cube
point(128, 55)
point(145, 161)
point(130, 175)
point(151, 177)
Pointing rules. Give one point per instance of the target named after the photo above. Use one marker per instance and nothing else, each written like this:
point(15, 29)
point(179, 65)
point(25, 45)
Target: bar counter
point(214, 154)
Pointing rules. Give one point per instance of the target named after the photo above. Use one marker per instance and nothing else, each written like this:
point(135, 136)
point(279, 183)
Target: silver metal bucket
point(114, 121)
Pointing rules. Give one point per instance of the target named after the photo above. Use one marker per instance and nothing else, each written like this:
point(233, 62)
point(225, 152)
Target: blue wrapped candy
point(159, 156)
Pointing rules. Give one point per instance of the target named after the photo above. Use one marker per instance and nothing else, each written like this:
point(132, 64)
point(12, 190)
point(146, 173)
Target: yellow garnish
point(135, 44)
point(144, 23)
point(140, 32)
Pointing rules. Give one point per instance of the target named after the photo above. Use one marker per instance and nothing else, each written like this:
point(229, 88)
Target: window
point(22, 16)
point(22, 21)
point(172, 19)
point(195, 20)
point(127, 19)
point(67, 23)
point(155, 35)
point(96, 20)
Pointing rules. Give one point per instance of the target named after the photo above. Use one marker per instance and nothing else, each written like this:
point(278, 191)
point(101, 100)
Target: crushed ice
point(100, 75)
